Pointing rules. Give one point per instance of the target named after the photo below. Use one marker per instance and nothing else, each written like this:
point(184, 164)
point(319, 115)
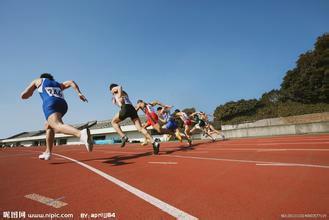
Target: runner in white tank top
point(127, 110)
point(187, 123)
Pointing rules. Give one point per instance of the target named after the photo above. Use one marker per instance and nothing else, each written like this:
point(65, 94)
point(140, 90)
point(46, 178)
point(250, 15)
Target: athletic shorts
point(127, 111)
point(202, 123)
point(171, 125)
point(152, 119)
point(54, 106)
point(188, 122)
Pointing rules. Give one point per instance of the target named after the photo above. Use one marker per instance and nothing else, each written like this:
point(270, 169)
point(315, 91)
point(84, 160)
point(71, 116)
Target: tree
point(234, 109)
point(305, 89)
point(270, 98)
point(309, 81)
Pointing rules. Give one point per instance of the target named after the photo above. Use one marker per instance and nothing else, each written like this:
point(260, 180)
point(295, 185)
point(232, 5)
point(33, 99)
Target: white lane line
point(55, 200)
point(56, 203)
point(165, 163)
point(247, 161)
point(171, 210)
point(274, 164)
point(291, 165)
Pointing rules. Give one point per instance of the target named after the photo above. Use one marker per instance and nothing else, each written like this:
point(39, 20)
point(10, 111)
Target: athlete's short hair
point(113, 85)
point(140, 101)
point(177, 110)
point(159, 108)
point(47, 76)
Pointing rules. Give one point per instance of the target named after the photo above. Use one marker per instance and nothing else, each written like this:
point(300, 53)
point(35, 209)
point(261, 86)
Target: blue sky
point(185, 53)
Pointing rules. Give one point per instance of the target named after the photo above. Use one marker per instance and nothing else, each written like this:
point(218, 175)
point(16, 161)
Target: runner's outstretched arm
point(154, 103)
point(72, 84)
point(194, 113)
point(28, 92)
point(119, 91)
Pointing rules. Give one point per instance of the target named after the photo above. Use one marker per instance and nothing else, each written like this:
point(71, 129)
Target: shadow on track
point(120, 160)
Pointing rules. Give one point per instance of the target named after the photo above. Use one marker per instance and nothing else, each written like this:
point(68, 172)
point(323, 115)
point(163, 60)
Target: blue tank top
point(50, 90)
point(167, 116)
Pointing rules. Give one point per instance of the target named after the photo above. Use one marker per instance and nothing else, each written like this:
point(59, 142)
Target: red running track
point(256, 178)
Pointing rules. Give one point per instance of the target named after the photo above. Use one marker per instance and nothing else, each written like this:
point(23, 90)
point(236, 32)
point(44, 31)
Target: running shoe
point(123, 141)
point(45, 156)
point(156, 147)
point(223, 137)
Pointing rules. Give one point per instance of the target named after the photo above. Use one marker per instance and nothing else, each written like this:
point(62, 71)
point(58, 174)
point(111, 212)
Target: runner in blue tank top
point(168, 122)
point(54, 108)
point(52, 97)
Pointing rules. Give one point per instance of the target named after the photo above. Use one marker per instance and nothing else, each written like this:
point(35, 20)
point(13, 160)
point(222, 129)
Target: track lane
point(212, 189)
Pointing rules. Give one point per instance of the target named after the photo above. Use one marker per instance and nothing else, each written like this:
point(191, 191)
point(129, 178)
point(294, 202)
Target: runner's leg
point(142, 130)
point(55, 121)
point(115, 123)
point(50, 135)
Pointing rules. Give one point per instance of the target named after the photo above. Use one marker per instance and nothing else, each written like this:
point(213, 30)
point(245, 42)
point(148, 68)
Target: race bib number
point(54, 91)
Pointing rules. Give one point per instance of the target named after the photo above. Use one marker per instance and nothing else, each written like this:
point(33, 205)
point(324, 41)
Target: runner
point(211, 130)
point(200, 124)
point(209, 127)
point(54, 108)
point(152, 117)
point(169, 123)
point(187, 122)
point(127, 110)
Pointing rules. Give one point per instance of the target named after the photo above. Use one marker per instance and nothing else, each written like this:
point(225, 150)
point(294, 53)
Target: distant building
point(102, 132)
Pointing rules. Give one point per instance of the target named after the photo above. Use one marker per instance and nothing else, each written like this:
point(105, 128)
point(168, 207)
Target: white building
point(102, 132)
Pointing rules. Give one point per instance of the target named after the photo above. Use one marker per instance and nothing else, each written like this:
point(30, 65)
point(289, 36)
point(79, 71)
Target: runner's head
point(177, 110)
point(46, 76)
point(159, 109)
point(141, 103)
point(113, 88)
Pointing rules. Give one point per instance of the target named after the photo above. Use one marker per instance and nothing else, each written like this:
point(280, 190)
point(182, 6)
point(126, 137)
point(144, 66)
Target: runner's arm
point(191, 115)
point(154, 103)
point(120, 91)
point(28, 92)
point(72, 84)
point(162, 120)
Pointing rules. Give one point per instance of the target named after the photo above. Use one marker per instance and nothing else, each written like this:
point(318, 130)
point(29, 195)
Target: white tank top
point(126, 101)
point(185, 117)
